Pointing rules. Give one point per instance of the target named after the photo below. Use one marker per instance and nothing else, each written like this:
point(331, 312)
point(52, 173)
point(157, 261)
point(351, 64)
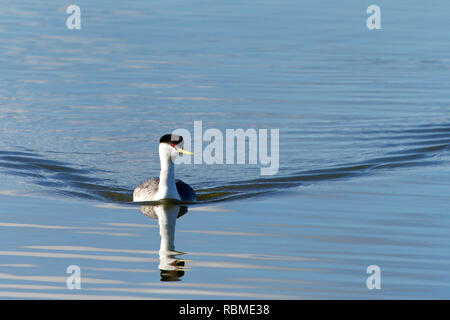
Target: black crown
point(171, 139)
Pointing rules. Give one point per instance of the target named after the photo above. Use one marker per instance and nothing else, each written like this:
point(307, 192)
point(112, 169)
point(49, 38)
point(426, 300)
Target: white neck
point(167, 173)
point(167, 188)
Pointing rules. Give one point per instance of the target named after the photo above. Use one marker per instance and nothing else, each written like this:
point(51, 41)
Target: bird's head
point(170, 146)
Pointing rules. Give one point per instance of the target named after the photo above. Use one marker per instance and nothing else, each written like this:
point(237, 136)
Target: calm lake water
point(364, 175)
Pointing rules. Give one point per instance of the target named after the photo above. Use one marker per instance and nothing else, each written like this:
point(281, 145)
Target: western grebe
point(166, 187)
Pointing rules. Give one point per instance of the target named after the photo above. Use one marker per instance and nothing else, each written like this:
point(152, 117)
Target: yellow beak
point(185, 152)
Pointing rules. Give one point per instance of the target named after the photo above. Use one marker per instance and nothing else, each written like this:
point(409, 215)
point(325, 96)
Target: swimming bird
point(166, 186)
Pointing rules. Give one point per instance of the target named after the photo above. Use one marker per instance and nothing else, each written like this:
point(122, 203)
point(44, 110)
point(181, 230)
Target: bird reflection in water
point(171, 267)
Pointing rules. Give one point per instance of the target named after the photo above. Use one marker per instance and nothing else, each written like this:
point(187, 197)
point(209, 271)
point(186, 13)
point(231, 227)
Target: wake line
point(405, 158)
point(59, 175)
